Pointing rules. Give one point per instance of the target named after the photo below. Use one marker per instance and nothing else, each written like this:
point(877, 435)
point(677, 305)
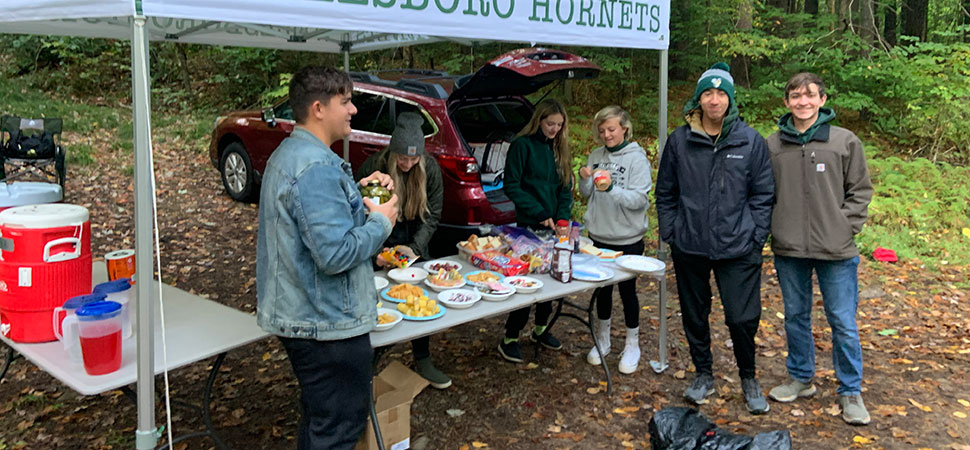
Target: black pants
point(628, 289)
point(518, 318)
point(421, 348)
point(739, 283)
point(335, 385)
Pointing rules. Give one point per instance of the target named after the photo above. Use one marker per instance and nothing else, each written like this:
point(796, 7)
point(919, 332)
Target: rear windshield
point(483, 122)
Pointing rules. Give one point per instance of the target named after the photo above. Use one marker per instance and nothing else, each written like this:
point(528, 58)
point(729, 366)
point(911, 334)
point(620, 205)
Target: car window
point(283, 111)
point(373, 113)
point(478, 121)
point(427, 127)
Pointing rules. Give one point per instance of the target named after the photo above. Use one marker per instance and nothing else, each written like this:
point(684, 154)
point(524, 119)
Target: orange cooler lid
point(51, 215)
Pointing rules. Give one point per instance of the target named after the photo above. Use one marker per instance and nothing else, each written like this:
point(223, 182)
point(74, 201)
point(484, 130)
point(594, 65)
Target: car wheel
point(237, 173)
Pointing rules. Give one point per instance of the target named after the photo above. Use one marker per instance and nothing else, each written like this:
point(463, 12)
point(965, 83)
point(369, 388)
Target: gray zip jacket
point(822, 194)
point(618, 216)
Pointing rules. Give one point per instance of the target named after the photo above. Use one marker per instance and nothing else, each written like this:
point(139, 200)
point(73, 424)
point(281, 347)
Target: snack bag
point(396, 257)
point(498, 262)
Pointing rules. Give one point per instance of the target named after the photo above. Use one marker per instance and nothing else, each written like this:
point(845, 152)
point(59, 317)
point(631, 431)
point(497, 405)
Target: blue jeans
point(839, 283)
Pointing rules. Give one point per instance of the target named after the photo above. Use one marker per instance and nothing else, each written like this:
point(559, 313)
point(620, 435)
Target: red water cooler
point(45, 259)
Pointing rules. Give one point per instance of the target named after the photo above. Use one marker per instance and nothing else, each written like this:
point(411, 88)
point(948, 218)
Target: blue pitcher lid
point(110, 287)
point(98, 308)
point(81, 300)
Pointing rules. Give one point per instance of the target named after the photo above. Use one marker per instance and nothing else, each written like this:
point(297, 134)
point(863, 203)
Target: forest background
point(898, 74)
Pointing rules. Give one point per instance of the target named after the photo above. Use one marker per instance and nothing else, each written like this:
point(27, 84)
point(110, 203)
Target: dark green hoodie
point(533, 184)
point(787, 125)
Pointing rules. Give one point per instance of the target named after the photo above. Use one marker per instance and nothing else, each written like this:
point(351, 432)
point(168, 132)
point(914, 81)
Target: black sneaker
point(547, 340)
point(700, 388)
point(754, 399)
point(510, 351)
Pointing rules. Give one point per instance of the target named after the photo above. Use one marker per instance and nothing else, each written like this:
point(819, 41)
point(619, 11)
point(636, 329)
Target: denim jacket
point(314, 278)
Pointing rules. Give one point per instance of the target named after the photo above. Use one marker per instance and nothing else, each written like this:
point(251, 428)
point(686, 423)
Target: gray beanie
point(407, 138)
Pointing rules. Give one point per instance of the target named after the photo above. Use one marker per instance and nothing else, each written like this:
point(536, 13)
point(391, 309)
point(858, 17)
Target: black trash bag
point(780, 439)
point(680, 428)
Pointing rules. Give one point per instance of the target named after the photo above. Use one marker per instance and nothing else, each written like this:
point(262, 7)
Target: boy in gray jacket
point(822, 190)
point(616, 180)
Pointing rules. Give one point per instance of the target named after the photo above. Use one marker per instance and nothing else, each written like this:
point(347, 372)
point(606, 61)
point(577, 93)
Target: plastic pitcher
point(120, 291)
point(65, 325)
point(99, 326)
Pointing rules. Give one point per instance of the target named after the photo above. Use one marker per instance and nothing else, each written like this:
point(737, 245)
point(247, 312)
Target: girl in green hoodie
point(538, 180)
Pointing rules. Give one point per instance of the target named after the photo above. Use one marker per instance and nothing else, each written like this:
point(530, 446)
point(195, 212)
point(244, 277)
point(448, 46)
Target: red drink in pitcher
point(102, 354)
point(99, 326)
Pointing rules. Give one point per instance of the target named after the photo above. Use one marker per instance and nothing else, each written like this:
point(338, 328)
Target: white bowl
point(380, 282)
point(536, 284)
point(499, 276)
point(497, 297)
point(387, 326)
point(440, 287)
point(411, 275)
point(445, 298)
point(427, 265)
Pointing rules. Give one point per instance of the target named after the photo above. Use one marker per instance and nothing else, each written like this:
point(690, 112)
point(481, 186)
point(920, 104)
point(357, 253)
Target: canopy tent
point(321, 26)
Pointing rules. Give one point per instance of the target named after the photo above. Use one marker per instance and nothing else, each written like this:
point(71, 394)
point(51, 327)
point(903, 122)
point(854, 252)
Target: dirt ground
point(914, 326)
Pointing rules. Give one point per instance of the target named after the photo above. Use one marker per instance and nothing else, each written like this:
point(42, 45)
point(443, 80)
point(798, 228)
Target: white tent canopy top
point(321, 26)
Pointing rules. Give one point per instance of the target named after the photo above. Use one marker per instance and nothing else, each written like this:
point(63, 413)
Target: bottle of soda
point(562, 254)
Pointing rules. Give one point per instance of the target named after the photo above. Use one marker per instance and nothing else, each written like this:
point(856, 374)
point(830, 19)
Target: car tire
point(237, 173)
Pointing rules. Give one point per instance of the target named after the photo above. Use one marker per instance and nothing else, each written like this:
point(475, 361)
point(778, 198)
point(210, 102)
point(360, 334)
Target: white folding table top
point(196, 329)
point(551, 289)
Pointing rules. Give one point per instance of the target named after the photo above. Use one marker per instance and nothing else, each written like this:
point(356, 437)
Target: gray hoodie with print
point(618, 215)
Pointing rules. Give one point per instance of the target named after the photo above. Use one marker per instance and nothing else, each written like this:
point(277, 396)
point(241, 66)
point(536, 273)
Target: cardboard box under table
point(394, 390)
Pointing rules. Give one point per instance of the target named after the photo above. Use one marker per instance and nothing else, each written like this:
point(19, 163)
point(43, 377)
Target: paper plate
point(439, 288)
point(500, 276)
point(639, 263)
point(380, 282)
point(397, 300)
point(536, 284)
point(592, 273)
point(387, 326)
point(431, 317)
point(445, 298)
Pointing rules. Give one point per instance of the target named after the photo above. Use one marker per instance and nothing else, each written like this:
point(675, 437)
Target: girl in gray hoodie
point(616, 182)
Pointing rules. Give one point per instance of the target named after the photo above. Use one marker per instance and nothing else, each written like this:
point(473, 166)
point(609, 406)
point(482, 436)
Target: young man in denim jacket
point(315, 284)
point(822, 197)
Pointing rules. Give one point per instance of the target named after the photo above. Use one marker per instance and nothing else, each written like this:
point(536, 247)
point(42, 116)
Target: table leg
point(11, 355)
point(661, 364)
point(588, 321)
point(206, 416)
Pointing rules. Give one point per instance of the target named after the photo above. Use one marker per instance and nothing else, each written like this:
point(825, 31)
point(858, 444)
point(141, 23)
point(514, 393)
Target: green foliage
point(919, 210)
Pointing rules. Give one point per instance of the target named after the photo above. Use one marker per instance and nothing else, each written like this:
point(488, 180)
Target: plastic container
point(45, 259)
point(65, 325)
point(120, 291)
point(99, 326)
point(20, 193)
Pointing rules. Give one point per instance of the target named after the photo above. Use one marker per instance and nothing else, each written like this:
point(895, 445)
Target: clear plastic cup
point(65, 325)
point(99, 326)
point(120, 291)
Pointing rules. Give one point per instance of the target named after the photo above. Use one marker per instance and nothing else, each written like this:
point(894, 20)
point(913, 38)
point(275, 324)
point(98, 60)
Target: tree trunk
point(866, 23)
point(889, 23)
point(811, 7)
point(184, 66)
point(845, 14)
point(781, 4)
point(966, 21)
point(741, 63)
point(914, 18)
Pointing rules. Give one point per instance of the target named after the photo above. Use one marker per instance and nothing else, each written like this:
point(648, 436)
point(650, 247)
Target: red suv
point(469, 121)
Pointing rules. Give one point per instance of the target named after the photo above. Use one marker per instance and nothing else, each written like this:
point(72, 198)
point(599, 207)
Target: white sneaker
point(630, 358)
point(602, 336)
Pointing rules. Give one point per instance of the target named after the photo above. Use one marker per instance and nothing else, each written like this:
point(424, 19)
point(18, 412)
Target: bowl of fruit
point(434, 266)
point(387, 318)
point(421, 309)
point(459, 298)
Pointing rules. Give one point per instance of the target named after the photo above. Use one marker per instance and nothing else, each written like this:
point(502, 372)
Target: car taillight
point(465, 168)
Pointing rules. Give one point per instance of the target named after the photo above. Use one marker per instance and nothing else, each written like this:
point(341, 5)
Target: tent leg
point(146, 435)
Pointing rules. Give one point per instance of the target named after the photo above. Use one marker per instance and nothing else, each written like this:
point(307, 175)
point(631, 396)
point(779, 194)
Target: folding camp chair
point(31, 148)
